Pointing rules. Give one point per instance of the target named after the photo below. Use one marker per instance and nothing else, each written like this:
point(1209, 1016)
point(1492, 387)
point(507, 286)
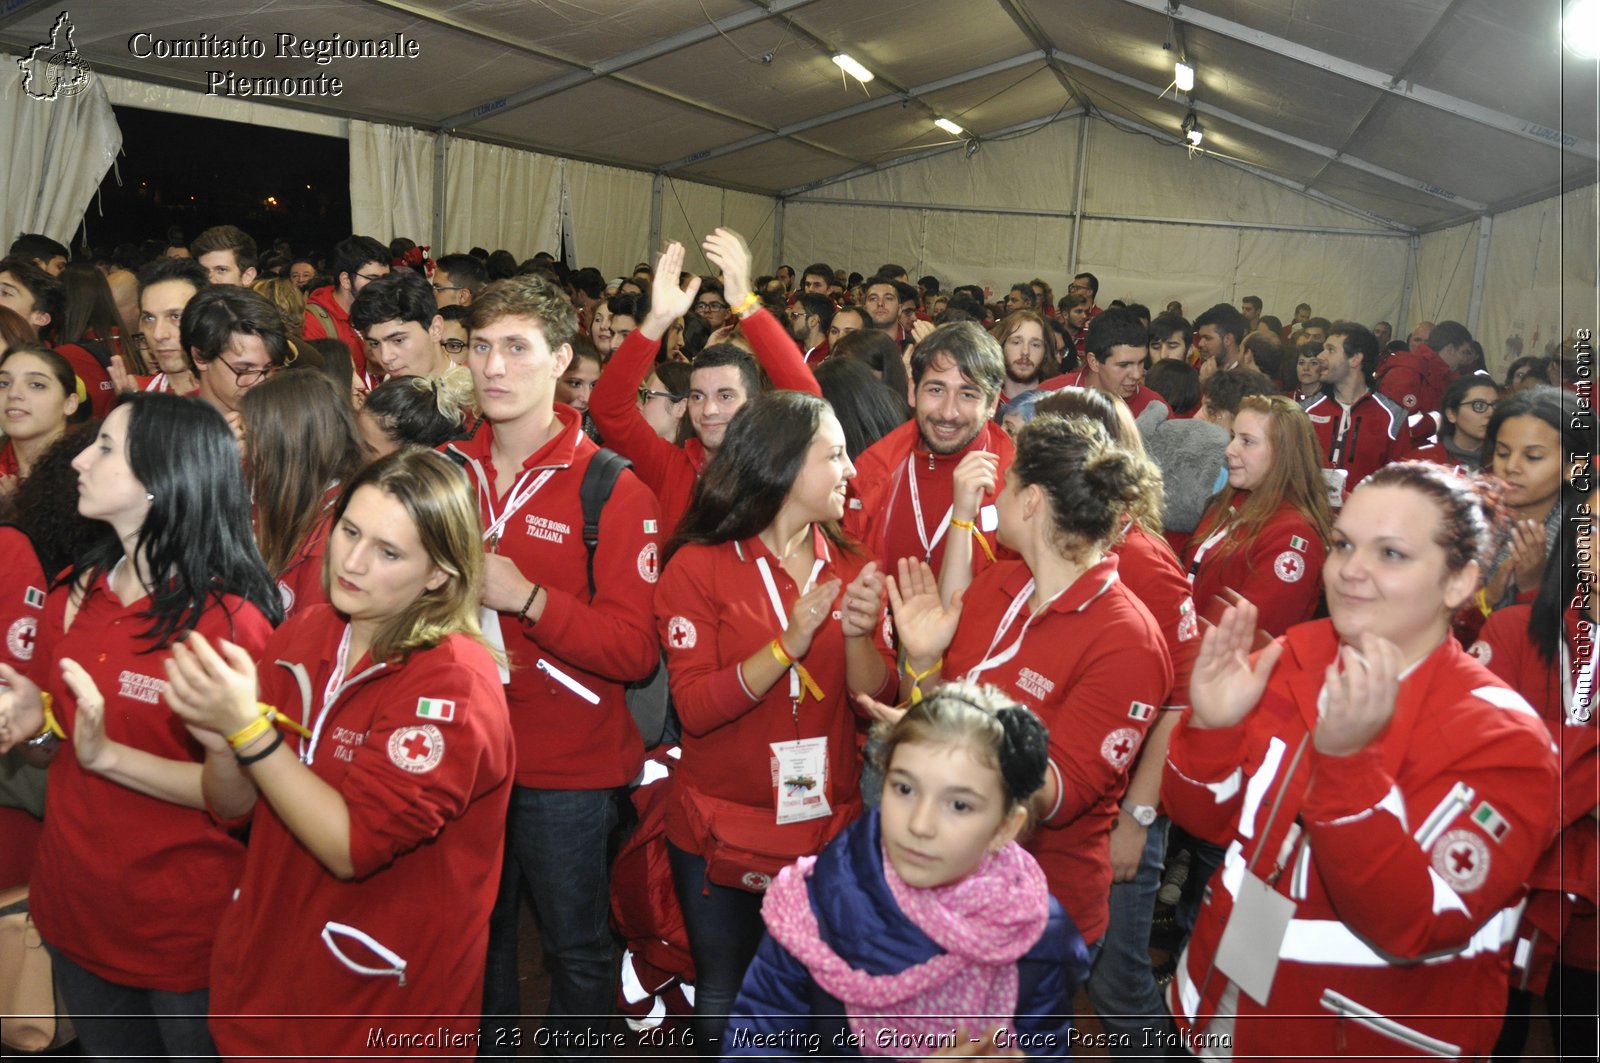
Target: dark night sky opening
point(197, 172)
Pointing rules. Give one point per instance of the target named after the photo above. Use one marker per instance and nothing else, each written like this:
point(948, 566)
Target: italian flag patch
point(436, 709)
point(1140, 711)
point(1492, 822)
point(649, 527)
point(1298, 543)
point(34, 597)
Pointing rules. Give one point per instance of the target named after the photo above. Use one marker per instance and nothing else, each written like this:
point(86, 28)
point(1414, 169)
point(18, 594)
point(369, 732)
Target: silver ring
point(813, 610)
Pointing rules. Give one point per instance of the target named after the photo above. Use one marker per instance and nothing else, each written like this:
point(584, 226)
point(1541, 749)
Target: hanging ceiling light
point(1191, 130)
point(853, 68)
point(1183, 76)
point(948, 126)
point(1580, 28)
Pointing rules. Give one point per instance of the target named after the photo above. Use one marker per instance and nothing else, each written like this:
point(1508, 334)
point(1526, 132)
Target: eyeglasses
point(1478, 405)
point(246, 377)
point(710, 306)
point(369, 277)
point(453, 346)
point(645, 395)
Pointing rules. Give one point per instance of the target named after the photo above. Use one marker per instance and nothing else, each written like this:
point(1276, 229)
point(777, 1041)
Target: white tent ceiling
point(1425, 113)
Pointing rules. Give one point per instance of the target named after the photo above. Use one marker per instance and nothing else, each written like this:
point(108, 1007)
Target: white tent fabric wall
point(1341, 270)
point(610, 212)
point(499, 197)
point(391, 181)
point(126, 92)
point(689, 211)
point(56, 154)
point(1443, 286)
point(1540, 282)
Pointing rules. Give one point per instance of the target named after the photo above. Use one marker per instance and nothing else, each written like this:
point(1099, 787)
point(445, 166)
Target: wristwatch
point(1144, 815)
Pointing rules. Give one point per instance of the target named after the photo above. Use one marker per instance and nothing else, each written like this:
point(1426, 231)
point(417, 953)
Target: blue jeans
point(1122, 987)
point(116, 1022)
point(725, 929)
point(558, 844)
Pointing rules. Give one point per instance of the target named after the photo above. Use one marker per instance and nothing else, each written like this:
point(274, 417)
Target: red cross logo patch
point(1289, 566)
point(19, 639)
point(417, 749)
point(1120, 746)
point(680, 633)
point(649, 566)
point(1462, 859)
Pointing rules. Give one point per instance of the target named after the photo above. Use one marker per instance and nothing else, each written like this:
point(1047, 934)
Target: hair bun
point(1024, 753)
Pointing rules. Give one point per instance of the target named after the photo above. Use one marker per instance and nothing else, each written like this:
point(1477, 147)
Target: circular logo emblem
point(417, 749)
point(1482, 651)
point(756, 881)
point(67, 75)
point(1120, 746)
point(888, 628)
point(680, 633)
point(1289, 566)
point(19, 640)
point(287, 595)
point(649, 567)
point(1188, 623)
point(1410, 402)
point(1462, 859)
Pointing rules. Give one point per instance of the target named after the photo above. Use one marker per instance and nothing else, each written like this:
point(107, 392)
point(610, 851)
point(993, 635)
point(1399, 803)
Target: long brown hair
point(1051, 365)
point(1295, 476)
point(300, 438)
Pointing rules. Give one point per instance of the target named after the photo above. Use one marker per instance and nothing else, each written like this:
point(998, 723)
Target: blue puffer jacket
point(782, 1013)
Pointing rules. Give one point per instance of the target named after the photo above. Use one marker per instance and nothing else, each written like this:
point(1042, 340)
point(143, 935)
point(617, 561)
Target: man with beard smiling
point(900, 502)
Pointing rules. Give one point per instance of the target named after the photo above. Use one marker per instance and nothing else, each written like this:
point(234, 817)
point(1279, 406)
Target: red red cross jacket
point(1359, 439)
point(670, 471)
point(1280, 570)
point(1566, 882)
point(1415, 848)
point(712, 611)
point(421, 752)
point(1415, 379)
point(568, 711)
point(880, 512)
point(312, 328)
point(127, 886)
point(1136, 405)
point(1094, 667)
point(1151, 571)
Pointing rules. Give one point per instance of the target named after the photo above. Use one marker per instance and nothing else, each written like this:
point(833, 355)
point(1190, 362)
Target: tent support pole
point(1402, 321)
point(777, 234)
point(440, 147)
point(1485, 224)
point(1077, 206)
point(656, 183)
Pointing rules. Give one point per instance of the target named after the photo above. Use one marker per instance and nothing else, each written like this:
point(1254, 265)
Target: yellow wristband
point(967, 525)
point(250, 731)
point(808, 684)
point(52, 726)
point(918, 677)
point(1483, 601)
point(750, 302)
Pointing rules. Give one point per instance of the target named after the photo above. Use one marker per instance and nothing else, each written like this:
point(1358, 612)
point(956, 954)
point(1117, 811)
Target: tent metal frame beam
point(1137, 219)
point(617, 64)
point(21, 10)
point(1322, 150)
point(864, 107)
point(928, 153)
point(1377, 79)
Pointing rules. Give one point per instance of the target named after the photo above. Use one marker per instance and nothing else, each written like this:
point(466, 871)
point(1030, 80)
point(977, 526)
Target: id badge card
point(1335, 479)
point(988, 518)
point(489, 620)
point(1253, 938)
point(800, 773)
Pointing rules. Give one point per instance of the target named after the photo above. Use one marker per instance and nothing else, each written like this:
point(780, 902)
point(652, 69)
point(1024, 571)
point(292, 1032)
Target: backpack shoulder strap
point(598, 480)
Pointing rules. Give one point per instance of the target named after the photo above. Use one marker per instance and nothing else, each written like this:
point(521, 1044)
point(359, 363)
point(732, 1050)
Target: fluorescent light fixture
point(1580, 28)
point(1191, 130)
point(948, 126)
point(1183, 76)
point(1196, 135)
point(853, 68)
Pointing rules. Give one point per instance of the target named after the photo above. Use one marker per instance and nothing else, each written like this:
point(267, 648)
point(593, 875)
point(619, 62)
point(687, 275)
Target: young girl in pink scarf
point(924, 928)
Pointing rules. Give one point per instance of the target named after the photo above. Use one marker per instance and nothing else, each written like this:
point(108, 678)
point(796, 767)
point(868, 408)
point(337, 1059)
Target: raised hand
point(975, 475)
point(806, 617)
point(89, 728)
point(863, 602)
point(211, 688)
point(1360, 696)
point(1223, 687)
point(727, 251)
point(922, 622)
point(21, 709)
point(668, 301)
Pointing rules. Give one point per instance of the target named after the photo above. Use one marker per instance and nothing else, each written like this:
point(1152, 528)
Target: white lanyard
point(1577, 696)
point(928, 545)
point(781, 613)
point(329, 694)
point(995, 660)
point(1342, 433)
point(519, 498)
point(1211, 540)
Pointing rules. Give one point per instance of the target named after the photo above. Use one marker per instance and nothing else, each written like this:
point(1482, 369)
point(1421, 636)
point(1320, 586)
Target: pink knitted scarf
point(985, 923)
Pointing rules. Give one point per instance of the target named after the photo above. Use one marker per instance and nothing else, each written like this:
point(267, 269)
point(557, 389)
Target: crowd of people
point(937, 651)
